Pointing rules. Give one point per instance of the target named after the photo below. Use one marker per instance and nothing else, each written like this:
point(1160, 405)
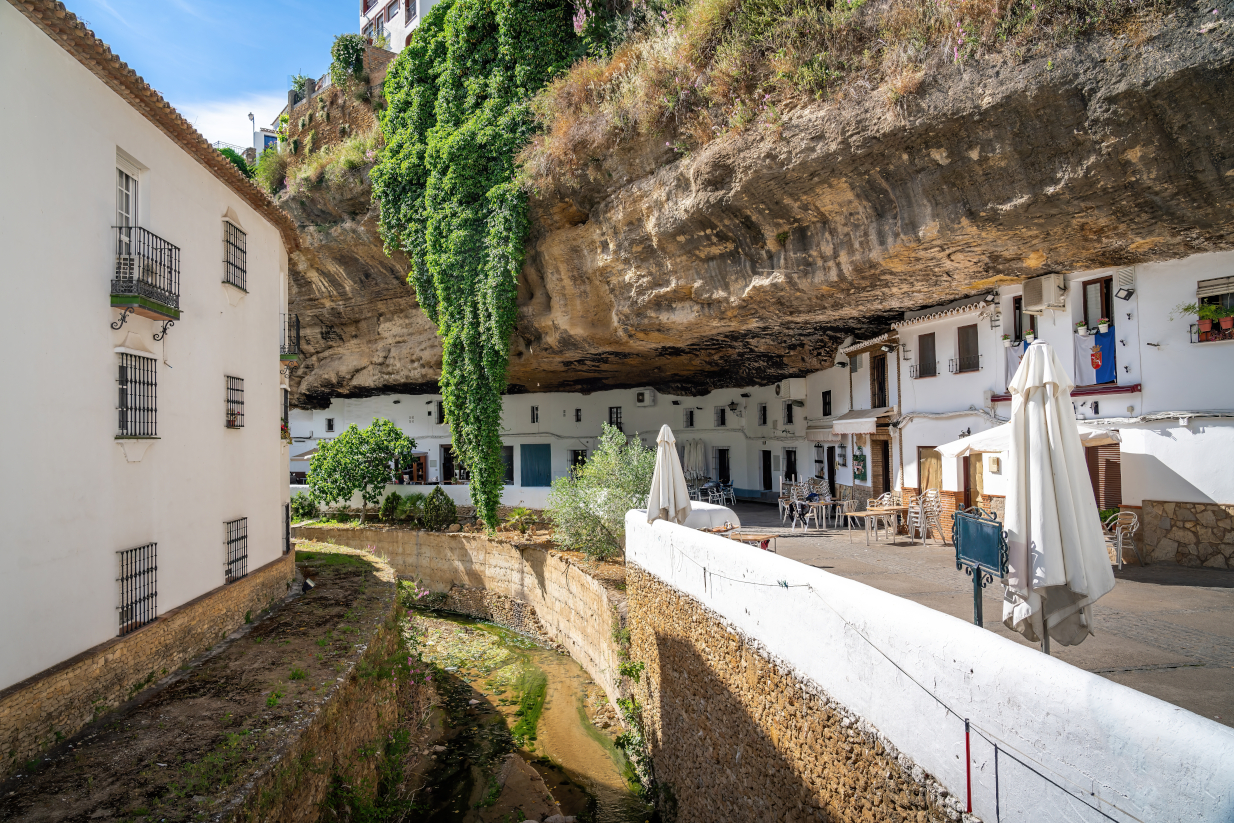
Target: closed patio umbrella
point(669, 498)
point(1057, 563)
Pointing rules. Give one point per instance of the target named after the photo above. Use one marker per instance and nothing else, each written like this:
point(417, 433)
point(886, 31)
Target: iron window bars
point(137, 407)
point(234, 259)
point(237, 549)
point(138, 587)
point(235, 402)
point(286, 528)
point(290, 346)
point(147, 268)
point(924, 369)
point(962, 364)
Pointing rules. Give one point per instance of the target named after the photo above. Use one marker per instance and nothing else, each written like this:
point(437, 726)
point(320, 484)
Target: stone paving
point(1165, 630)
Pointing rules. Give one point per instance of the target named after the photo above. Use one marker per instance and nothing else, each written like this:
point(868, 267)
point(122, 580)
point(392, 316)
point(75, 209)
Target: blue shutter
point(536, 468)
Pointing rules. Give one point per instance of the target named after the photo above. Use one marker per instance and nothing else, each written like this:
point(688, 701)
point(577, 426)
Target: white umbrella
point(998, 439)
point(1057, 563)
point(669, 498)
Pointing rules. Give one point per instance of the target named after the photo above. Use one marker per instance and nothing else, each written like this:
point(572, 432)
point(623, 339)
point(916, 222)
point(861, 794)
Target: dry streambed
point(185, 748)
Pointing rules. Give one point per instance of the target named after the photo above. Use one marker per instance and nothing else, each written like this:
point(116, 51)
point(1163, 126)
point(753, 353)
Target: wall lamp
point(842, 365)
point(1124, 293)
point(887, 348)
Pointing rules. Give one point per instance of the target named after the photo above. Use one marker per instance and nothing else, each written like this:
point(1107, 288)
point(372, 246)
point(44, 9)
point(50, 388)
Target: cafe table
point(870, 518)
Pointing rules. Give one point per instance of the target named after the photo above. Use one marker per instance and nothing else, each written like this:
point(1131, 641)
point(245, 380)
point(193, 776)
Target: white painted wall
point(407, 19)
point(1131, 755)
point(68, 497)
point(1187, 464)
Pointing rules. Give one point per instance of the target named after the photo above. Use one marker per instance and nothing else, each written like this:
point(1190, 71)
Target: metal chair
point(932, 513)
point(802, 510)
point(784, 501)
point(1122, 527)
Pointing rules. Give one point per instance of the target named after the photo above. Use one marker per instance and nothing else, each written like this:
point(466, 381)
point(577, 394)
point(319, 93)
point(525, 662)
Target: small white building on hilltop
point(144, 488)
point(393, 19)
point(872, 423)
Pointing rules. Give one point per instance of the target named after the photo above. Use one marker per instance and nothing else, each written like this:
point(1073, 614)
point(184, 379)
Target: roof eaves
point(939, 315)
point(865, 344)
point(62, 26)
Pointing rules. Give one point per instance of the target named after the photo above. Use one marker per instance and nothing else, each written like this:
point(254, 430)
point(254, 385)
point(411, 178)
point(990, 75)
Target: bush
point(412, 507)
point(238, 161)
point(521, 519)
point(300, 83)
point(271, 170)
point(588, 507)
point(347, 58)
point(390, 506)
point(303, 506)
point(358, 461)
point(439, 510)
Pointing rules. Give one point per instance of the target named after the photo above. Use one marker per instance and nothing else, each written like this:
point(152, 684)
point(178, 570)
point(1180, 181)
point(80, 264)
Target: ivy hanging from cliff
point(446, 185)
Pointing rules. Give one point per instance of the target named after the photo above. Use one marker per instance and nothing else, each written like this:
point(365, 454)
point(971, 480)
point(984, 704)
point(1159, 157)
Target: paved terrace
point(1167, 631)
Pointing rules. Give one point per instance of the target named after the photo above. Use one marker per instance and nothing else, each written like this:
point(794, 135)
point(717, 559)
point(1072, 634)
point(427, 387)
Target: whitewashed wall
point(68, 497)
point(1120, 754)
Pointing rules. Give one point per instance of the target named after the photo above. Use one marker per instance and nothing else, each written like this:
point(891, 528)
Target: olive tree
point(358, 460)
point(588, 507)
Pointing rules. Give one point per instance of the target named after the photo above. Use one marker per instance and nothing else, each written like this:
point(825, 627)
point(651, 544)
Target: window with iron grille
point(688, 418)
point(286, 528)
point(138, 396)
point(762, 414)
point(286, 407)
point(788, 412)
point(237, 549)
point(927, 357)
point(138, 586)
point(721, 417)
point(578, 415)
point(535, 414)
point(969, 359)
point(235, 402)
point(234, 256)
point(614, 417)
point(441, 412)
point(827, 403)
point(329, 424)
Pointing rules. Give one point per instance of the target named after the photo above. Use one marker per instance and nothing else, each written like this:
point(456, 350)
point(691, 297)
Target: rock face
point(750, 260)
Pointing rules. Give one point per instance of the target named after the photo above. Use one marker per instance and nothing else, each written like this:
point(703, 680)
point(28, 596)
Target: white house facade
point(396, 19)
point(872, 423)
point(143, 464)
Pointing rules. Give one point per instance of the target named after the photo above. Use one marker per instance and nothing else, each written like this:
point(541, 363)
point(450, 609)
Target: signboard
point(980, 551)
point(859, 464)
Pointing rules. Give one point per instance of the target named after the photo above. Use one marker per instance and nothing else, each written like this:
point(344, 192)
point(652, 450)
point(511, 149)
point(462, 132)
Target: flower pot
point(1082, 331)
point(1029, 338)
point(1103, 327)
point(1227, 323)
point(1206, 325)
point(1006, 343)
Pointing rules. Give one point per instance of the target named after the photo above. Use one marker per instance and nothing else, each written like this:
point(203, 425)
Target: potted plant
point(1029, 336)
point(1081, 329)
point(1205, 313)
point(1226, 319)
point(1103, 325)
point(1006, 341)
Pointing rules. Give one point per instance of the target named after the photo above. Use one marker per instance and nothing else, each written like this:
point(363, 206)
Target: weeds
point(297, 674)
point(273, 699)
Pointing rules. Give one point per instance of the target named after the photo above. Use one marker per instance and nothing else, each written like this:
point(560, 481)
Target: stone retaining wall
point(573, 608)
point(1190, 534)
point(737, 737)
point(59, 701)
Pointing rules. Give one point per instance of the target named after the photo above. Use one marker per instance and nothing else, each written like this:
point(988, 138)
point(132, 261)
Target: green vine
point(446, 185)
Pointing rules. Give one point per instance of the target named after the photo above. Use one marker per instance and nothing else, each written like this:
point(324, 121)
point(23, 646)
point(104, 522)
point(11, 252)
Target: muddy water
point(498, 765)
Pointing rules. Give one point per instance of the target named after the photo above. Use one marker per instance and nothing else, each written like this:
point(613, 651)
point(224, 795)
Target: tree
point(358, 460)
point(588, 507)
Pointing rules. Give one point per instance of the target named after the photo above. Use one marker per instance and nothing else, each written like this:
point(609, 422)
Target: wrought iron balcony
point(963, 364)
point(290, 347)
point(147, 276)
point(929, 369)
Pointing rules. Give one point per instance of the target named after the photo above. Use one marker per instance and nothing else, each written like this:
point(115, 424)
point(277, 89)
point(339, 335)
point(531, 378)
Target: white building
point(396, 19)
point(872, 422)
point(143, 468)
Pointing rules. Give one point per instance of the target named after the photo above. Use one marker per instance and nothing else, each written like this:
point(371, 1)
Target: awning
point(998, 439)
point(306, 455)
point(822, 434)
point(859, 421)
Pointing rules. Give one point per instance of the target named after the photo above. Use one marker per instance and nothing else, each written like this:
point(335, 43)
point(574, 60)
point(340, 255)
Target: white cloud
point(228, 120)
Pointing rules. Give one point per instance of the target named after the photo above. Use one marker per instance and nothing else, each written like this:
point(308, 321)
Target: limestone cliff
point(750, 260)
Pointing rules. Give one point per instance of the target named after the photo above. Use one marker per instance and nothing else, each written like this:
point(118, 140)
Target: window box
point(1215, 334)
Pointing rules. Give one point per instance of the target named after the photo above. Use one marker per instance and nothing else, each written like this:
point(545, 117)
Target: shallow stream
point(518, 722)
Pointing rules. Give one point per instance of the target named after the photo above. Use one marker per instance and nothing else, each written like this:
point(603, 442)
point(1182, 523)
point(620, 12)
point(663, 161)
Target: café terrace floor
point(1165, 630)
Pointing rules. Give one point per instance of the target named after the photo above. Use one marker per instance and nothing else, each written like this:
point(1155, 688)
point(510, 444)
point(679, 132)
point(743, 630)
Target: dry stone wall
point(1190, 534)
point(58, 702)
point(736, 736)
point(570, 606)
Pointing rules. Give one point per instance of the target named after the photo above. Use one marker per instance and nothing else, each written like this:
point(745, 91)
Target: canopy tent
point(859, 421)
point(669, 498)
point(998, 439)
point(1057, 565)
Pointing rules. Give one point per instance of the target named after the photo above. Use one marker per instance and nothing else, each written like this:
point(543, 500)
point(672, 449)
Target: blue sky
point(217, 60)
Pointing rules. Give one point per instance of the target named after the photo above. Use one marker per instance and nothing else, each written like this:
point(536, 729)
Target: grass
point(333, 163)
point(701, 69)
point(533, 683)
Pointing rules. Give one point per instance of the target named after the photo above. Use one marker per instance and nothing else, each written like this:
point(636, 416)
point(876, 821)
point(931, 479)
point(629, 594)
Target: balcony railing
point(963, 364)
point(147, 274)
point(290, 347)
point(923, 369)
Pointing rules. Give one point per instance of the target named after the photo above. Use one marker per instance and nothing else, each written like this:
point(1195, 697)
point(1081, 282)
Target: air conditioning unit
point(645, 397)
point(1044, 292)
point(792, 389)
